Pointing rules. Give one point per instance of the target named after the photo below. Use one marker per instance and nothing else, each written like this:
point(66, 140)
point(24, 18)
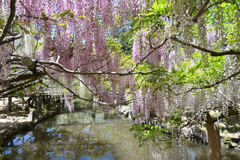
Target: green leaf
point(64, 13)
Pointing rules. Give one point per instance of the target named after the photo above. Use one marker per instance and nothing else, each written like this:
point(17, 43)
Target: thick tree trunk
point(214, 141)
point(211, 118)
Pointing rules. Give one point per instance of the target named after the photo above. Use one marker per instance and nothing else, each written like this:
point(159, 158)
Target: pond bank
point(194, 132)
point(20, 120)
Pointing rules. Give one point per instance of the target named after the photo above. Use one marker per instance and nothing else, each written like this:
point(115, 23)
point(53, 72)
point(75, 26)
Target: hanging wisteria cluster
point(73, 34)
point(190, 28)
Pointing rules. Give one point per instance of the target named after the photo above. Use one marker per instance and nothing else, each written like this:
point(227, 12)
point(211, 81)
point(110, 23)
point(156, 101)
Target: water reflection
point(82, 135)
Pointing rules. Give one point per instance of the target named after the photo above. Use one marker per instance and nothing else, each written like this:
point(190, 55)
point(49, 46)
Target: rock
point(31, 116)
point(237, 148)
point(235, 136)
point(3, 116)
point(195, 134)
point(53, 109)
point(12, 118)
point(126, 113)
point(222, 125)
point(233, 144)
point(130, 117)
point(185, 132)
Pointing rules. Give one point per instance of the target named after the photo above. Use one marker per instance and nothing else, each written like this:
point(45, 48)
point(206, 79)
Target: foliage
point(176, 117)
point(124, 40)
point(148, 132)
point(227, 141)
point(235, 127)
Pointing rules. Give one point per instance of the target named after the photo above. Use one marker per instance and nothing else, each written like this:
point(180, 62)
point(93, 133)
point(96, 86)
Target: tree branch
point(61, 84)
point(21, 88)
point(10, 20)
point(10, 39)
point(85, 85)
point(34, 17)
point(17, 85)
point(42, 18)
point(148, 55)
point(213, 5)
point(13, 60)
point(65, 70)
point(212, 53)
point(88, 100)
point(23, 77)
point(208, 86)
point(201, 11)
point(149, 39)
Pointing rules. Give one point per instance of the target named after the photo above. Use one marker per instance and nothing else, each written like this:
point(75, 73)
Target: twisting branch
point(59, 56)
point(85, 85)
point(214, 5)
point(97, 93)
point(34, 17)
point(208, 86)
point(42, 18)
point(23, 77)
point(13, 60)
point(65, 70)
point(201, 11)
point(149, 38)
point(9, 21)
point(227, 98)
point(11, 33)
point(101, 66)
point(61, 84)
point(212, 53)
point(191, 119)
point(148, 55)
point(17, 85)
point(91, 62)
point(10, 39)
point(88, 100)
point(18, 89)
point(22, 71)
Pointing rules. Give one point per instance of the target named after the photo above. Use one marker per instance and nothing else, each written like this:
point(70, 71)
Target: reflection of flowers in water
point(68, 102)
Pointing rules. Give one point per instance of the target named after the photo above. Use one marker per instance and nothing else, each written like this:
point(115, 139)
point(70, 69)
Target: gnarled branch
point(212, 53)
point(207, 86)
point(155, 48)
point(9, 21)
point(201, 11)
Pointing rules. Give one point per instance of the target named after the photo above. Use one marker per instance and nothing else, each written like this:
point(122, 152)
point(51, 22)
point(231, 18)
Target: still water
point(81, 136)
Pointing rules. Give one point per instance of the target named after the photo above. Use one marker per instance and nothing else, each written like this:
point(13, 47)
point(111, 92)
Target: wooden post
point(39, 108)
point(213, 135)
point(214, 141)
point(36, 107)
point(49, 100)
point(9, 103)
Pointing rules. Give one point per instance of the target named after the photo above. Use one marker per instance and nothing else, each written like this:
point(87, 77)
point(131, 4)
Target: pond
point(80, 135)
